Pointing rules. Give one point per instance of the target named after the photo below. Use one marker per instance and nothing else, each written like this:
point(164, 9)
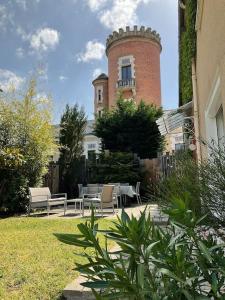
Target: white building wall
point(91, 142)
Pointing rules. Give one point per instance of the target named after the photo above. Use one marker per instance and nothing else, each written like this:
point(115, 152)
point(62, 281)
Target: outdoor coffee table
point(76, 201)
point(90, 202)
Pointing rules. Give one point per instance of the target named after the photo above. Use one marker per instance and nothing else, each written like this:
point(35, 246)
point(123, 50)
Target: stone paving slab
point(75, 291)
point(134, 210)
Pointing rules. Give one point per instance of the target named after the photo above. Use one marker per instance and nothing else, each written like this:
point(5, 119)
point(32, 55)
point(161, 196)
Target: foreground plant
point(152, 262)
point(213, 187)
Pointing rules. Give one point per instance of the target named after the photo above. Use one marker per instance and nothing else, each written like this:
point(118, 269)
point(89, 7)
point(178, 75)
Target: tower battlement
point(142, 32)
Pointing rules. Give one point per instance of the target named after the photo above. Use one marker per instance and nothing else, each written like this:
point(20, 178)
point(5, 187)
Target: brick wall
point(146, 66)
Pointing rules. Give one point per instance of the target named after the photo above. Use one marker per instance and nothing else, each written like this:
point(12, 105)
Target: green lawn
point(33, 263)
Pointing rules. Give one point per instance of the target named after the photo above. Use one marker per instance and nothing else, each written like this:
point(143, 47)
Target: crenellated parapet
point(142, 32)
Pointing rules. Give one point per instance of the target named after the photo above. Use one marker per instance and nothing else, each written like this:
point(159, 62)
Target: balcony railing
point(126, 83)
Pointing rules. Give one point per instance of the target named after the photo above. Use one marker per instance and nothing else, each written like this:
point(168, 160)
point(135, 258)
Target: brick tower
point(100, 93)
point(133, 66)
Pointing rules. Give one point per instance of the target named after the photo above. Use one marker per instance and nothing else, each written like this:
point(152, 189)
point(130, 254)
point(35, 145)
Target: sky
point(64, 42)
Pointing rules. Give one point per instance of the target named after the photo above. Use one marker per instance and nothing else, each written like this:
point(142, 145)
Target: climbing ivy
point(187, 51)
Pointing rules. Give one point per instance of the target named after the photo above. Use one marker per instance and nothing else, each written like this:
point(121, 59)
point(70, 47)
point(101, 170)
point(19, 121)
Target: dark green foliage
point(130, 128)
point(212, 177)
point(203, 185)
point(115, 167)
point(72, 128)
point(13, 191)
point(152, 263)
point(187, 51)
point(183, 182)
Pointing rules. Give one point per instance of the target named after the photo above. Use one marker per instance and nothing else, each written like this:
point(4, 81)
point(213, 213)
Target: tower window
point(126, 72)
point(99, 96)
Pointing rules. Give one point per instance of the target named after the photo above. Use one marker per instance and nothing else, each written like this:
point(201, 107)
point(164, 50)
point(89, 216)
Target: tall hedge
point(187, 51)
point(26, 144)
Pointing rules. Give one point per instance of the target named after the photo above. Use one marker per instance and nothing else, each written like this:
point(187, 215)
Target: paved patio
point(133, 210)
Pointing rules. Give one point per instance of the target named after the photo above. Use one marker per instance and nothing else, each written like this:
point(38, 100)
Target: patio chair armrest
point(33, 196)
point(59, 194)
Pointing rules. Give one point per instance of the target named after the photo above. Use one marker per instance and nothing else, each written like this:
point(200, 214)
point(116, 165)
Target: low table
point(76, 201)
point(89, 202)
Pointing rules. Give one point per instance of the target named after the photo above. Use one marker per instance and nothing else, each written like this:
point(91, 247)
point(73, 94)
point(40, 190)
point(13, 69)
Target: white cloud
point(114, 14)
point(22, 4)
point(96, 72)
point(9, 79)
point(63, 78)
point(95, 5)
point(122, 13)
point(94, 51)
point(21, 32)
point(44, 39)
point(6, 18)
point(20, 52)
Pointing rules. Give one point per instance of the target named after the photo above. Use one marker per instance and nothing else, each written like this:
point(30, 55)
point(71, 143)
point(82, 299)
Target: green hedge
point(187, 51)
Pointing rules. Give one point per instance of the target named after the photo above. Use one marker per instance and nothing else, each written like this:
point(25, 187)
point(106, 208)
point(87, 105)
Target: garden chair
point(106, 197)
point(42, 198)
point(116, 194)
point(80, 190)
point(92, 190)
point(104, 200)
point(137, 193)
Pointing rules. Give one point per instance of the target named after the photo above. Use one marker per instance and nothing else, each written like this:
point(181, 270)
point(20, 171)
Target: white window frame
point(99, 112)
point(212, 108)
point(131, 63)
point(97, 89)
point(91, 146)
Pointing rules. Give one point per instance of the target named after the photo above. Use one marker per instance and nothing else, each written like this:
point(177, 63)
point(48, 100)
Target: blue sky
point(65, 40)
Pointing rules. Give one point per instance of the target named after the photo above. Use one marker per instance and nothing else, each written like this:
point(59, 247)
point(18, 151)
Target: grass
point(33, 263)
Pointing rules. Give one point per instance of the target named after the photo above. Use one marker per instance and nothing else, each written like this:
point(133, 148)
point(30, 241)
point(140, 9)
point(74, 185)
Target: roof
point(102, 76)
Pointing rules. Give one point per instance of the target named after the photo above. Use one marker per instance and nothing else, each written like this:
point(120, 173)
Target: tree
point(72, 129)
point(130, 128)
point(115, 167)
point(26, 143)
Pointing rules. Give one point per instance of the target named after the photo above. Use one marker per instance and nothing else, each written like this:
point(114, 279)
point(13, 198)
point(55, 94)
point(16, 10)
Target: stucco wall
point(91, 139)
point(210, 62)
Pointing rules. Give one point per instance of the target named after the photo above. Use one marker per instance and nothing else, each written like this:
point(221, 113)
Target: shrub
point(26, 143)
point(212, 178)
point(183, 182)
point(115, 167)
point(152, 263)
